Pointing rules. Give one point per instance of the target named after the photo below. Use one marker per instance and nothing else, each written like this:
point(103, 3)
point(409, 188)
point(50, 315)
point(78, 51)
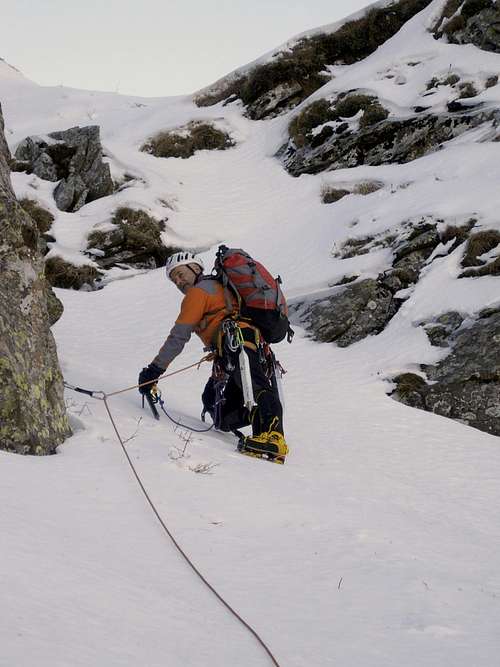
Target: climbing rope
point(156, 398)
point(101, 395)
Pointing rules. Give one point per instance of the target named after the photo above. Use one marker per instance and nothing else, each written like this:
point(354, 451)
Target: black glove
point(148, 374)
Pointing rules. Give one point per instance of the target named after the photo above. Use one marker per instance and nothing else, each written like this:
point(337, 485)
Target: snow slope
point(377, 543)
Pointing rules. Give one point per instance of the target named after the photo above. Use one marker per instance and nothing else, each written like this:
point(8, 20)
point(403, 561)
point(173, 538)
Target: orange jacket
point(202, 311)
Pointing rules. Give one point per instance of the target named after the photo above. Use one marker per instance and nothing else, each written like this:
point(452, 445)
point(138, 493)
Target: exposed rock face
point(282, 97)
point(477, 22)
point(32, 413)
point(411, 255)
point(483, 30)
point(365, 307)
point(466, 384)
point(74, 157)
point(358, 310)
point(440, 330)
point(389, 141)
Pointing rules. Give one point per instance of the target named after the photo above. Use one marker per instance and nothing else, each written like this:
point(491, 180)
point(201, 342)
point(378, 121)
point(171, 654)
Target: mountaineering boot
point(270, 445)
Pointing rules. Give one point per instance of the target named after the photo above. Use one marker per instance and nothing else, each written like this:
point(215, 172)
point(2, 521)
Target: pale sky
point(150, 47)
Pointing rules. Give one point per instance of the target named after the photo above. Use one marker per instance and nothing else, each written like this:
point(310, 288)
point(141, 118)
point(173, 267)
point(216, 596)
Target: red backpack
point(259, 295)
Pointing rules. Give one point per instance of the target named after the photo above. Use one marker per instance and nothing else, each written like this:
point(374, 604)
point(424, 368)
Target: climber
point(206, 311)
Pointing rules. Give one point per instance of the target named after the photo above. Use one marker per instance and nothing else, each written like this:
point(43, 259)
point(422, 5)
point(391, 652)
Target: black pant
point(232, 414)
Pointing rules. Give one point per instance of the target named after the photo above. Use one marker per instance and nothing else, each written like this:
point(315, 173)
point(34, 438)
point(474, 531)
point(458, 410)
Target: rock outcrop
point(362, 307)
point(386, 142)
point(73, 157)
point(355, 311)
point(33, 418)
point(465, 385)
point(471, 22)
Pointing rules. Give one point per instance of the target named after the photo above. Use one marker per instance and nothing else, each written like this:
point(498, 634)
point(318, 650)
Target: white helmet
point(182, 259)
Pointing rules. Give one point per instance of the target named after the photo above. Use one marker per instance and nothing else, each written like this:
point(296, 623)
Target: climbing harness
point(235, 343)
point(101, 395)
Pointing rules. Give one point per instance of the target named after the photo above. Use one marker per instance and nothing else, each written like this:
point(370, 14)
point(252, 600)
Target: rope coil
point(101, 395)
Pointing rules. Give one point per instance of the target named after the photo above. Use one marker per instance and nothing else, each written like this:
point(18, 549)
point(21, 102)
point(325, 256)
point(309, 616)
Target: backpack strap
point(230, 291)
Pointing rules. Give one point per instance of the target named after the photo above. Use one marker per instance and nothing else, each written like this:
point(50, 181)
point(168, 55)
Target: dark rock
point(284, 95)
point(366, 306)
point(452, 320)
point(71, 193)
point(55, 307)
point(33, 417)
point(482, 29)
point(411, 254)
point(395, 280)
point(387, 142)
point(410, 390)
point(412, 246)
point(477, 22)
point(437, 335)
point(18, 165)
point(356, 246)
point(74, 157)
point(457, 105)
point(474, 403)
point(31, 152)
point(465, 385)
point(423, 238)
point(322, 136)
point(362, 308)
point(340, 129)
point(475, 354)
point(408, 268)
point(440, 330)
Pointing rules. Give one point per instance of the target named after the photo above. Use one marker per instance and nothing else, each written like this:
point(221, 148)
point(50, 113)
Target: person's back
point(202, 311)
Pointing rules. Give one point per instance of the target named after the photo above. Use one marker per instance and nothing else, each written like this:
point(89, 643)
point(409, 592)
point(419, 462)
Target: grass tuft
point(185, 141)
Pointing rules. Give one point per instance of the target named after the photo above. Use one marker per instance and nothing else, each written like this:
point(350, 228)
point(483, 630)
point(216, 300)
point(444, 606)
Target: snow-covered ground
point(378, 542)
